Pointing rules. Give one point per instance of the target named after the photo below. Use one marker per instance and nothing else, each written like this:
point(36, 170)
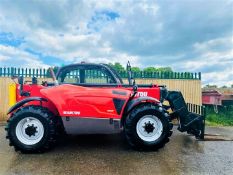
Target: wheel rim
point(29, 131)
point(149, 128)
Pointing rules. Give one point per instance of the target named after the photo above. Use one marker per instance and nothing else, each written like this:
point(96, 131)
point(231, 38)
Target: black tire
point(132, 119)
point(47, 119)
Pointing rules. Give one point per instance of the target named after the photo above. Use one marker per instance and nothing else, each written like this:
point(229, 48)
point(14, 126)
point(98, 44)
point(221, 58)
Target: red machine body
point(77, 101)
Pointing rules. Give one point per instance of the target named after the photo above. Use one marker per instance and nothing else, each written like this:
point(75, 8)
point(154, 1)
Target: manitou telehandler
point(92, 98)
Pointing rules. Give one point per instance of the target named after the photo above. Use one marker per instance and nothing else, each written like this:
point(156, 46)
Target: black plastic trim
point(22, 102)
point(118, 103)
point(136, 101)
point(119, 92)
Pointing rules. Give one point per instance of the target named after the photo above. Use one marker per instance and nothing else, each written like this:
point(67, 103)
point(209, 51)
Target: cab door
point(86, 74)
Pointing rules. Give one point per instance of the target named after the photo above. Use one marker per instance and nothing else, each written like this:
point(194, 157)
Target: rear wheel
point(147, 127)
point(32, 129)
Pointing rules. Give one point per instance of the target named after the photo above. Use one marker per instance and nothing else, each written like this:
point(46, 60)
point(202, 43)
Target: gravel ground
point(108, 154)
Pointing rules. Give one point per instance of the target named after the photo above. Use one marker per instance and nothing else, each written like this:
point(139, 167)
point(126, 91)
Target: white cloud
point(217, 44)
point(11, 56)
point(215, 60)
point(3, 58)
point(189, 36)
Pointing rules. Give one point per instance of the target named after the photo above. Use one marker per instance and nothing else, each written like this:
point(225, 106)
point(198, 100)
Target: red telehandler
point(92, 98)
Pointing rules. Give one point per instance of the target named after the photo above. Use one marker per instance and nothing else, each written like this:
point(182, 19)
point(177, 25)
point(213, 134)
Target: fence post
point(8, 71)
point(44, 73)
point(4, 71)
point(22, 72)
point(36, 72)
point(199, 75)
point(33, 72)
point(26, 72)
point(12, 71)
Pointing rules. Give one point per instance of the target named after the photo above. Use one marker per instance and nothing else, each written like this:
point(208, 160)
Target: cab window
point(70, 76)
point(86, 75)
point(98, 76)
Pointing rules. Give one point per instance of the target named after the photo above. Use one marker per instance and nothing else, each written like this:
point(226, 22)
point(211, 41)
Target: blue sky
point(187, 35)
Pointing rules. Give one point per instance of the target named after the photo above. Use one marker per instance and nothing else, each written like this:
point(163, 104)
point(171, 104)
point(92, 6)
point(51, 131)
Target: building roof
point(223, 91)
point(211, 93)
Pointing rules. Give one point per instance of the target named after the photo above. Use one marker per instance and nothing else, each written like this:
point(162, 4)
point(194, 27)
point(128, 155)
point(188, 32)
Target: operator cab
point(85, 73)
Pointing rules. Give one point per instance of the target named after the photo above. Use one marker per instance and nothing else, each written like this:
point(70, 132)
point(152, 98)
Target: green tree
point(110, 64)
point(164, 69)
point(150, 69)
point(136, 69)
point(160, 69)
point(117, 66)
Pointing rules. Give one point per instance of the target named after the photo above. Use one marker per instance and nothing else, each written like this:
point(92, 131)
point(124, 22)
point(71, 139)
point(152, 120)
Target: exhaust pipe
point(53, 76)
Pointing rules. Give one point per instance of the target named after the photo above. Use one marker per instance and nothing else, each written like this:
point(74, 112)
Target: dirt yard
point(108, 154)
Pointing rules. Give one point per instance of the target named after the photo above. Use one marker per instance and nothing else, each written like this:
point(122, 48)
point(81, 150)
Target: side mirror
point(128, 67)
point(129, 71)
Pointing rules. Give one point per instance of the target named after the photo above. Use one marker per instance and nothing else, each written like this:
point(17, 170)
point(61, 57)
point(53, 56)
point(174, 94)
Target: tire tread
point(129, 130)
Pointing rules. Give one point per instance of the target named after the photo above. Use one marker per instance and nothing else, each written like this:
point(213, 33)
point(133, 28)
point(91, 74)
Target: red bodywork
point(78, 101)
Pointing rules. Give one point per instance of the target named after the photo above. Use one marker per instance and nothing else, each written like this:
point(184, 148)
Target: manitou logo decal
point(71, 112)
point(142, 94)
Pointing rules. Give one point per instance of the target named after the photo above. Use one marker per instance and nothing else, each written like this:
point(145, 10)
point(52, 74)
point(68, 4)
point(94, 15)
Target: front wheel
point(147, 127)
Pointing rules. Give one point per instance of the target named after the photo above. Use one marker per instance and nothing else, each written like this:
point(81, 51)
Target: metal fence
point(200, 110)
point(164, 75)
point(25, 72)
point(196, 109)
point(44, 73)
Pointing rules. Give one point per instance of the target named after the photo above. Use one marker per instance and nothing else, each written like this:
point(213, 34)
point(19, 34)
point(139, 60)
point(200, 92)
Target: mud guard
point(132, 103)
point(190, 121)
point(24, 101)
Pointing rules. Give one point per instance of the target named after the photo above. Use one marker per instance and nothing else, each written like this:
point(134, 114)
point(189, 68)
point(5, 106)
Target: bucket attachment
point(191, 117)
